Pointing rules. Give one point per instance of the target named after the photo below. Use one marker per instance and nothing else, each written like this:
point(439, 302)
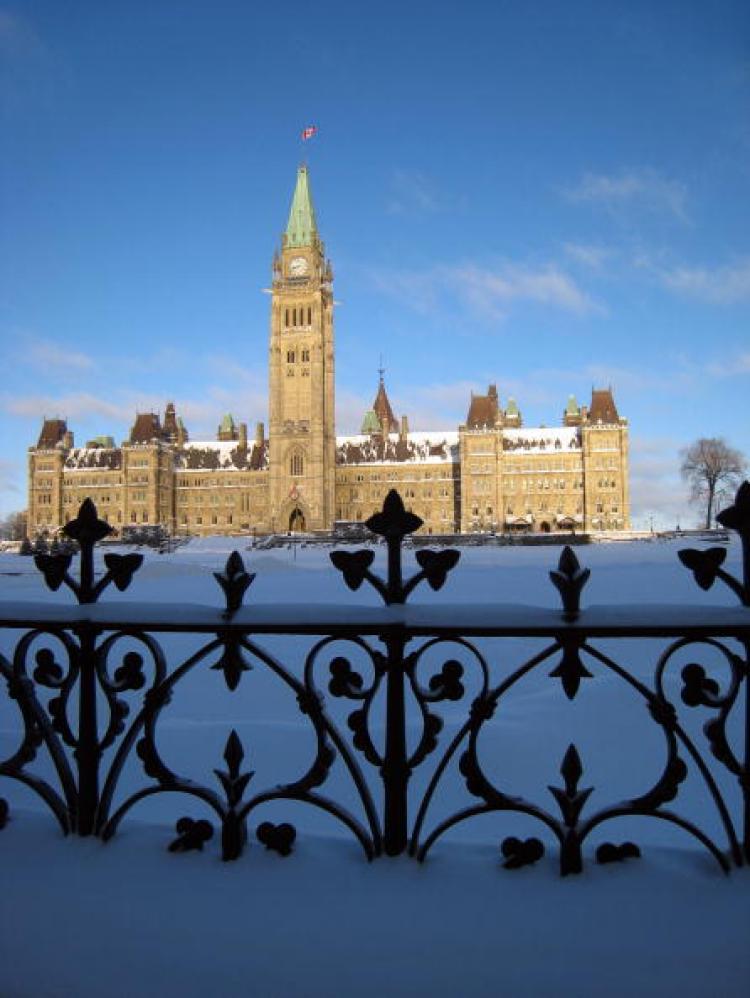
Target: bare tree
point(708, 464)
point(13, 526)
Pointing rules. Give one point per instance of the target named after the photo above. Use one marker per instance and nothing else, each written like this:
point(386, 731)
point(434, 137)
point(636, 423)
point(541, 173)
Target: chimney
point(243, 436)
point(404, 432)
point(260, 434)
point(67, 440)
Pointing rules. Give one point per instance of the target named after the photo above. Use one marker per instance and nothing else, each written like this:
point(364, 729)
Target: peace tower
point(302, 436)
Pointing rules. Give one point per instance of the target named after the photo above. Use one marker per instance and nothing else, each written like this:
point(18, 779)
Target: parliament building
point(491, 474)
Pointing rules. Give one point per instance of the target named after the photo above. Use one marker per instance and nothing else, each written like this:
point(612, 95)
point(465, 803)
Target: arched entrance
point(544, 527)
point(296, 521)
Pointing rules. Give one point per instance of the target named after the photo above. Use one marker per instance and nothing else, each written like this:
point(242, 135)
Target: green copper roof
point(572, 406)
point(301, 228)
point(512, 408)
point(227, 422)
point(371, 423)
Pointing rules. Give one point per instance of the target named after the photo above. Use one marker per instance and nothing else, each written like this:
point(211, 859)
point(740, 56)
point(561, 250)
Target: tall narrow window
point(296, 464)
point(309, 316)
point(286, 317)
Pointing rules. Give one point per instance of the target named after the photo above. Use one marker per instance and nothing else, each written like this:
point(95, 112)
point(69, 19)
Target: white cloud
point(490, 291)
point(588, 255)
point(487, 292)
point(643, 187)
point(657, 494)
point(737, 365)
point(725, 285)
point(72, 405)
point(47, 356)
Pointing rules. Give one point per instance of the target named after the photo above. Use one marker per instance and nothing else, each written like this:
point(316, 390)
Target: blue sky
point(545, 195)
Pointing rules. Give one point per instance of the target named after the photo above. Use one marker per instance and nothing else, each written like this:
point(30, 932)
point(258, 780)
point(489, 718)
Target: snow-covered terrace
point(88, 920)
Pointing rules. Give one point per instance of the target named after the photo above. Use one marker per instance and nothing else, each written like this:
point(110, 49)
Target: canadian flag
point(307, 133)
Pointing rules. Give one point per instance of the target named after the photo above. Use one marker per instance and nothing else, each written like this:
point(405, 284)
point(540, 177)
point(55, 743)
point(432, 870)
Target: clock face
point(297, 266)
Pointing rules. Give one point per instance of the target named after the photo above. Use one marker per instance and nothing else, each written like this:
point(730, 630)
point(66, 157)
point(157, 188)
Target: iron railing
point(89, 728)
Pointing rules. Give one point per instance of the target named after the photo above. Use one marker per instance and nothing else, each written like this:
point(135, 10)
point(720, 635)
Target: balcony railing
point(92, 683)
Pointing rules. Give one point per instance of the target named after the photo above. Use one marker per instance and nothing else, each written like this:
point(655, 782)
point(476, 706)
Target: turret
point(170, 423)
point(371, 424)
point(382, 409)
point(54, 432)
point(572, 412)
point(227, 430)
point(484, 410)
point(513, 414)
point(603, 408)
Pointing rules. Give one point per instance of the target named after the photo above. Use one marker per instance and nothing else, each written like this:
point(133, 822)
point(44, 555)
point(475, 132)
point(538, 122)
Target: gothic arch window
point(296, 463)
point(290, 356)
point(309, 316)
point(286, 317)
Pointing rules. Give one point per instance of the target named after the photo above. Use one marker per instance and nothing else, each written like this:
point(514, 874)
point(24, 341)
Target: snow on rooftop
point(220, 456)
point(542, 438)
point(83, 458)
point(425, 446)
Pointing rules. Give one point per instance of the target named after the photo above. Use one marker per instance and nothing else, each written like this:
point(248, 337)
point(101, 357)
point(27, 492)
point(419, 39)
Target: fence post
point(87, 749)
point(395, 769)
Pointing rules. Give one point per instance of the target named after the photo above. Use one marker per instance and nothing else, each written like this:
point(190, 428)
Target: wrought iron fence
point(73, 658)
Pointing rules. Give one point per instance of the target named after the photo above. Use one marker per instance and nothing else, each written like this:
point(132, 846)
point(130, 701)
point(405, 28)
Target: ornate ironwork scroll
point(91, 694)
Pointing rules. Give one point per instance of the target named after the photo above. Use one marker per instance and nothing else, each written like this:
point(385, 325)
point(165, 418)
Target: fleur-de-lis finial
point(706, 565)
point(570, 578)
point(87, 530)
point(393, 523)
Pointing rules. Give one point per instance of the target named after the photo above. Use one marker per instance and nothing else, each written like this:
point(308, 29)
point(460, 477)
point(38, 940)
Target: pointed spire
point(382, 407)
point(301, 229)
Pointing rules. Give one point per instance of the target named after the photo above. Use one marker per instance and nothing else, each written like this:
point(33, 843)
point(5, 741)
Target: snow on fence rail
point(88, 735)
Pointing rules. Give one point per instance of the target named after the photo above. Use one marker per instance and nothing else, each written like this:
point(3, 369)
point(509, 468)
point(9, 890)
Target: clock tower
point(302, 435)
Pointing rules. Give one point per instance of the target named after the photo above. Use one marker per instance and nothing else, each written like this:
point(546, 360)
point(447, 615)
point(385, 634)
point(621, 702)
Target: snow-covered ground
point(84, 919)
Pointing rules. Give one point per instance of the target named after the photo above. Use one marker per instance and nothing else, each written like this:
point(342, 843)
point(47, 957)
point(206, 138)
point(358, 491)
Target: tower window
point(309, 316)
point(296, 464)
point(290, 356)
point(286, 317)
point(305, 356)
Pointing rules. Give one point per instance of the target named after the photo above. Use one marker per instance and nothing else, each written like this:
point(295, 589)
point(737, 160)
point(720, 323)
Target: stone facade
point(491, 474)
